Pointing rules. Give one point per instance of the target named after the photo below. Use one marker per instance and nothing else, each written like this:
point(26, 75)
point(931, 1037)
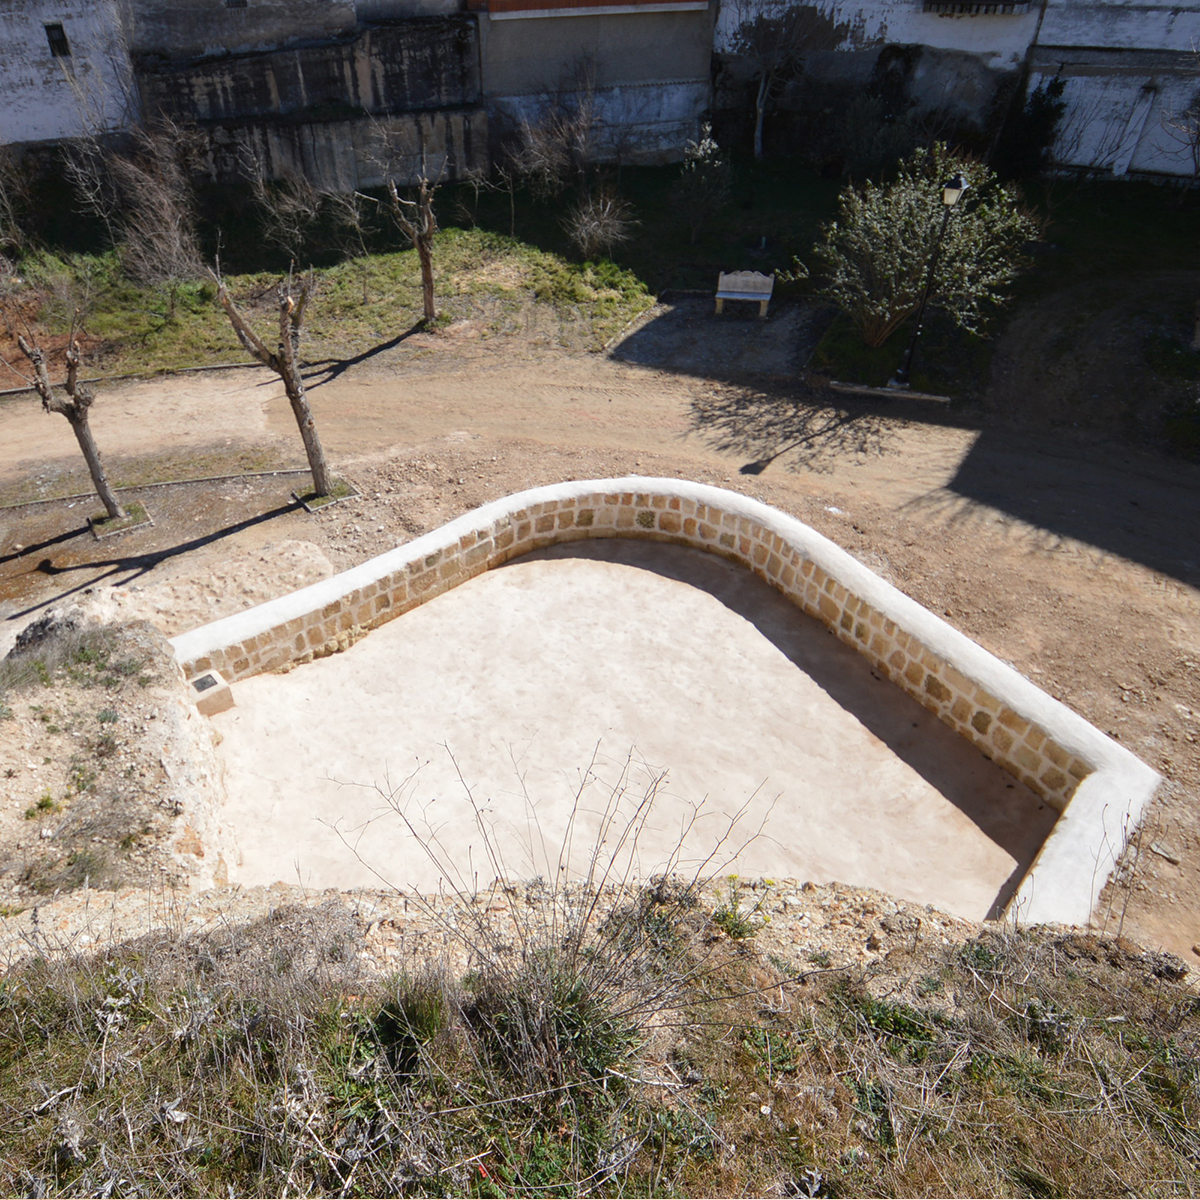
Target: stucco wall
point(1128, 64)
point(651, 73)
point(641, 123)
point(192, 28)
point(375, 10)
point(1121, 24)
point(999, 40)
point(1099, 787)
point(344, 155)
point(543, 53)
point(424, 63)
point(409, 91)
point(1119, 108)
point(46, 98)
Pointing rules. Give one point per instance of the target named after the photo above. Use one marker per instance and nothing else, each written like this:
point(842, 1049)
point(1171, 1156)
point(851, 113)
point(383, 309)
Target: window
point(235, 3)
point(57, 37)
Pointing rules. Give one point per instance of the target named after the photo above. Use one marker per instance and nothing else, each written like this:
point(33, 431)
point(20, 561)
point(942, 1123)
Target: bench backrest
point(754, 282)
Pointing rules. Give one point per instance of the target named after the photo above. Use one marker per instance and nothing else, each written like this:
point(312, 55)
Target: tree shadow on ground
point(1137, 507)
point(1043, 492)
point(802, 426)
point(331, 368)
point(683, 334)
point(57, 539)
point(137, 565)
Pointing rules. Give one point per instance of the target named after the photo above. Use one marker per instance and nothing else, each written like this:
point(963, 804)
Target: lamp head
point(953, 189)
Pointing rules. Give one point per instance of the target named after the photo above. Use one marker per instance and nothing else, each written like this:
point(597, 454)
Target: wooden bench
point(745, 285)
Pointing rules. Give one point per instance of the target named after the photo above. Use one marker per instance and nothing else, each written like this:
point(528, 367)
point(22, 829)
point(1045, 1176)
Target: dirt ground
point(1079, 563)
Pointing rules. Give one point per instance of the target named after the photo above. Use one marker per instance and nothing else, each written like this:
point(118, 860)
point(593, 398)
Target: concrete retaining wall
point(1099, 787)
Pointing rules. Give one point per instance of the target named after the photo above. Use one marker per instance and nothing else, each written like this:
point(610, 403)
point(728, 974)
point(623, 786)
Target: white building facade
point(1130, 69)
point(64, 69)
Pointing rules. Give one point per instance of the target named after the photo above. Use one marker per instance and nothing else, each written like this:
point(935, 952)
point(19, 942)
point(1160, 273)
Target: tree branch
point(250, 341)
point(301, 305)
point(41, 380)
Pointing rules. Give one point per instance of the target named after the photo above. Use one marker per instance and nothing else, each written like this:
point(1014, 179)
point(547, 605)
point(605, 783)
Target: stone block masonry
point(1098, 787)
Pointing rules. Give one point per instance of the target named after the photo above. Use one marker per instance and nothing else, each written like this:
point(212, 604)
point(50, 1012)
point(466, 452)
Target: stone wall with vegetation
point(1065, 760)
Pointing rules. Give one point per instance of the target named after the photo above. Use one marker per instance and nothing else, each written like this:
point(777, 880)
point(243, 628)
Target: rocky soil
point(108, 777)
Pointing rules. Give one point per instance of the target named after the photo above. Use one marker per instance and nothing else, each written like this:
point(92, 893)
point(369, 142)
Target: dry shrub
point(599, 222)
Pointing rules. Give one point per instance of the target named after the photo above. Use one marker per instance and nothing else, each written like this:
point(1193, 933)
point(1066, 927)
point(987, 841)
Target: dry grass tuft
point(258, 1061)
point(606, 1037)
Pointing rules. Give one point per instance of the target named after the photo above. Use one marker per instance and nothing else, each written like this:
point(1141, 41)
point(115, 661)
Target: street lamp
point(952, 191)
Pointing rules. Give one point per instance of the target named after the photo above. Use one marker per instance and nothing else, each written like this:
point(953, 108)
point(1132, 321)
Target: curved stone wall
point(1097, 786)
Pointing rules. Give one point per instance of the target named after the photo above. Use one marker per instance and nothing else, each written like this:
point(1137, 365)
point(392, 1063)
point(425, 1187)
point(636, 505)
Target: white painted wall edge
point(1068, 874)
point(601, 10)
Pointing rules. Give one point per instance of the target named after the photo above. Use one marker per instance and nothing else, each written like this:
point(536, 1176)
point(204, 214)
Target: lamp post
point(952, 191)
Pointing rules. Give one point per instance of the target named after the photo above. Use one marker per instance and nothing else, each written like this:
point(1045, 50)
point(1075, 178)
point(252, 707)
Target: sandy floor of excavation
point(1072, 560)
point(527, 713)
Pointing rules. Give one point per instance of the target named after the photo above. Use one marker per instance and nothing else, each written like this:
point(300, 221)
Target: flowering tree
point(876, 252)
point(704, 182)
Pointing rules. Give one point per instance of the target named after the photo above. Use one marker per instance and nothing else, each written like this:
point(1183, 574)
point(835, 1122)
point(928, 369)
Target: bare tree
point(106, 100)
point(293, 304)
point(351, 229)
point(506, 178)
point(419, 224)
point(133, 173)
point(159, 246)
point(557, 148)
point(1089, 138)
point(598, 222)
point(290, 205)
point(138, 184)
point(1182, 126)
point(773, 38)
point(75, 405)
point(14, 196)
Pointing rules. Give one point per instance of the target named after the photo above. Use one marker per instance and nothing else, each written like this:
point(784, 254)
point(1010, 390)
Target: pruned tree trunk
point(75, 407)
point(82, 430)
point(760, 109)
point(291, 315)
point(286, 365)
point(418, 223)
point(428, 304)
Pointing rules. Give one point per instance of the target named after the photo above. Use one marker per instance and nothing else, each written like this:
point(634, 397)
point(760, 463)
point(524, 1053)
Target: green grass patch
point(340, 489)
point(360, 303)
point(135, 515)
